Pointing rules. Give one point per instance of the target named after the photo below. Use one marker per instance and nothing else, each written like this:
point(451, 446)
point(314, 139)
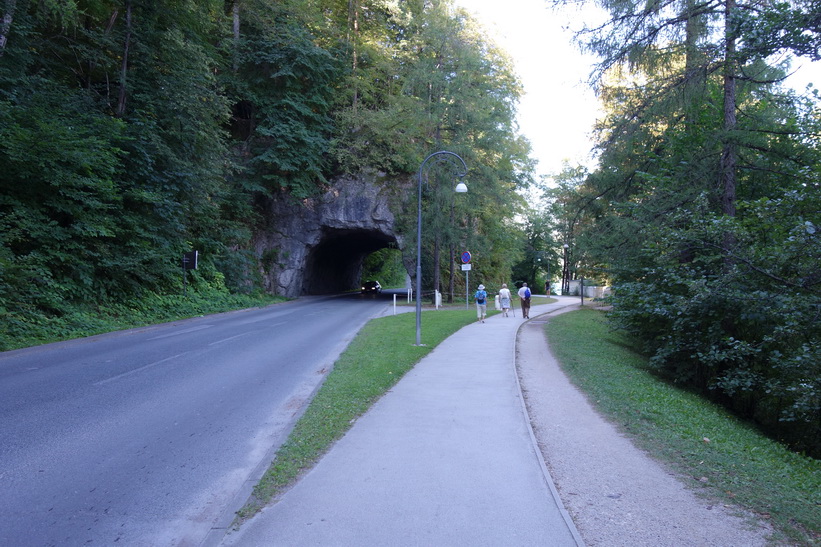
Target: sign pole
point(466, 267)
point(189, 262)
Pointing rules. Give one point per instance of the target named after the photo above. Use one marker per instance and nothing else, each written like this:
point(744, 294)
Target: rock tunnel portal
point(335, 263)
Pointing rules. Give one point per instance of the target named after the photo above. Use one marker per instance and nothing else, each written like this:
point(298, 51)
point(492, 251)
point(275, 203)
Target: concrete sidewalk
point(445, 458)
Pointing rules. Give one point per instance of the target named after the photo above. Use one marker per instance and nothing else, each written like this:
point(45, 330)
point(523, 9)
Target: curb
point(539, 456)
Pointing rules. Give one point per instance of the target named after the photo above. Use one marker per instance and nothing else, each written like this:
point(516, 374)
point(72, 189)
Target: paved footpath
point(447, 457)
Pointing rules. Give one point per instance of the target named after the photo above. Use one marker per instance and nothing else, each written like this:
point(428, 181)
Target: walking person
point(504, 299)
point(524, 295)
point(481, 303)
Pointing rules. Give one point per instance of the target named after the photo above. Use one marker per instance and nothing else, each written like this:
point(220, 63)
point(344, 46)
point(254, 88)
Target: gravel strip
point(614, 492)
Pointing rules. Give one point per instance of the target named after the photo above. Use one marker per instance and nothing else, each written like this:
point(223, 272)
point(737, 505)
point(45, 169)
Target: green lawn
point(725, 458)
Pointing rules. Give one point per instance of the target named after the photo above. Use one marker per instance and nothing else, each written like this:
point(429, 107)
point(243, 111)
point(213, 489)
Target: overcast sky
point(558, 109)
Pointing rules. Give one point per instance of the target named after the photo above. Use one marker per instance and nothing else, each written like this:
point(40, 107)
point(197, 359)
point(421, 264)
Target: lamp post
point(460, 188)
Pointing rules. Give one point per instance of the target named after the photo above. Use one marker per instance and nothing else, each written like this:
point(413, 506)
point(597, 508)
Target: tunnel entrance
point(335, 263)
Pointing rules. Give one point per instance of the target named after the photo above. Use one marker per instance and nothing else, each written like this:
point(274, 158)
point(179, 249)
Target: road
point(151, 436)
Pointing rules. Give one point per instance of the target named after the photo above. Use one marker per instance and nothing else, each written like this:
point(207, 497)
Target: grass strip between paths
point(376, 359)
point(724, 457)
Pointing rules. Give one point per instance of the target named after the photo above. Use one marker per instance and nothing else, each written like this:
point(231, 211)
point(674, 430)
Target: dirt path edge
point(614, 493)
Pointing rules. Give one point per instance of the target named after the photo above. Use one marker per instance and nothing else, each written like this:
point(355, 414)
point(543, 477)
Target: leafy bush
point(743, 325)
point(385, 266)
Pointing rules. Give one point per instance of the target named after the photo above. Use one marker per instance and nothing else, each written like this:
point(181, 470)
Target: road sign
point(189, 260)
point(466, 267)
point(465, 257)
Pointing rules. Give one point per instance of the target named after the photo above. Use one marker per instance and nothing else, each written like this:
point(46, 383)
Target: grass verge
point(376, 359)
point(724, 457)
point(30, 328)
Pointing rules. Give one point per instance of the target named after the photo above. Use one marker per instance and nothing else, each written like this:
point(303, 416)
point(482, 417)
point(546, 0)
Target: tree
point(458, 93)
point(134, 130)
point(699, 140)
point(282, 92)
point(129, 175)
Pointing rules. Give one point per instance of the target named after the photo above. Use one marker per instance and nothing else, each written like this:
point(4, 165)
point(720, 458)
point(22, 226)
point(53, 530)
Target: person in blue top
point(481, 303)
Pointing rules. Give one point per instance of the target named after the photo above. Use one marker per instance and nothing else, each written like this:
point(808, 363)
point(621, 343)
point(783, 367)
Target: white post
point(394, 303)
point(467, 289)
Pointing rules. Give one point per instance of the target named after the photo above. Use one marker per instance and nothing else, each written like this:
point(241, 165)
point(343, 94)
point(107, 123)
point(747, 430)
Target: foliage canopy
point(706, 204)
point(132, 131)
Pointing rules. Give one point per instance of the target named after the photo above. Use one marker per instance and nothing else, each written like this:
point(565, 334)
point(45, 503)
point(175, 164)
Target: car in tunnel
point(371, 287)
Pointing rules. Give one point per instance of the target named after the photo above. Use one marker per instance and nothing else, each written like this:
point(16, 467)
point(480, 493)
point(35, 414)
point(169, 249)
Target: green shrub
point(722, 324)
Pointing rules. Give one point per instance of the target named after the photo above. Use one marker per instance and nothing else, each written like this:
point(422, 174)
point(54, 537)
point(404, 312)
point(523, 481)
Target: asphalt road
point(148, 436)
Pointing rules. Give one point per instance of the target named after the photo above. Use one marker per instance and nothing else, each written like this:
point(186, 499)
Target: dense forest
point(133, 131)
point(704, 211)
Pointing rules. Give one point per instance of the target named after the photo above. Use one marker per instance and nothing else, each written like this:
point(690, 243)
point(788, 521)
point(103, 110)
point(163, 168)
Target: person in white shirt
point(524, 295)
point(504, 299)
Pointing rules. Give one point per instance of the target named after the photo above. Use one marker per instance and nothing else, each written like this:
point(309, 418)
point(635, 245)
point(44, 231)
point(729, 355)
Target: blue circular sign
point(465, 257)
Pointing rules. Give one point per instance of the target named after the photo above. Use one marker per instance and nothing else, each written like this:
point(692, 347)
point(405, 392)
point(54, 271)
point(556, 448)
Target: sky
point(558, 109)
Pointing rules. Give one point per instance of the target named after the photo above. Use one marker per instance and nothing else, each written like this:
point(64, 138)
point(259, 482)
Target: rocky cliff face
point(317, 245)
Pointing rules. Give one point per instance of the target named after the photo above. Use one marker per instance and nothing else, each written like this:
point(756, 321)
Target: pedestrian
point(547, 287)
point(481, 303)
point(524, 295)
point(504, 299)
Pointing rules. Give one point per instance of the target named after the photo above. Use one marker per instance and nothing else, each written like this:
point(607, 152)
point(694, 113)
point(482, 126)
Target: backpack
point(527, 293)
point(480, 297)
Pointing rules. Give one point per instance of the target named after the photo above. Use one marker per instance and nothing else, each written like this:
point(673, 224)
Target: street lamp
point(460, 188)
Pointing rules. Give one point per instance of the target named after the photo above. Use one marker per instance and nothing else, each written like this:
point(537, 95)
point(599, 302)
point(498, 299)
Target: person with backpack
point(524, 295)
point(481, 303)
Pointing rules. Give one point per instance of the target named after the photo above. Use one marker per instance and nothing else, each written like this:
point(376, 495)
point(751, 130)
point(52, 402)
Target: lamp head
point(461, 188)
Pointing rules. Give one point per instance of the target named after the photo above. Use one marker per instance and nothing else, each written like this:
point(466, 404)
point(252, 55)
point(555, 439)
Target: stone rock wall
point(317, 245)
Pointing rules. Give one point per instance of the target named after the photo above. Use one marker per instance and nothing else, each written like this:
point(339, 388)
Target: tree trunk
point(235, 15)
point(694, 70)
point(452, 255)
point(92, 64)
point(5, 24)
point(729, 153)
point(124, 68)
point(353, 23)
